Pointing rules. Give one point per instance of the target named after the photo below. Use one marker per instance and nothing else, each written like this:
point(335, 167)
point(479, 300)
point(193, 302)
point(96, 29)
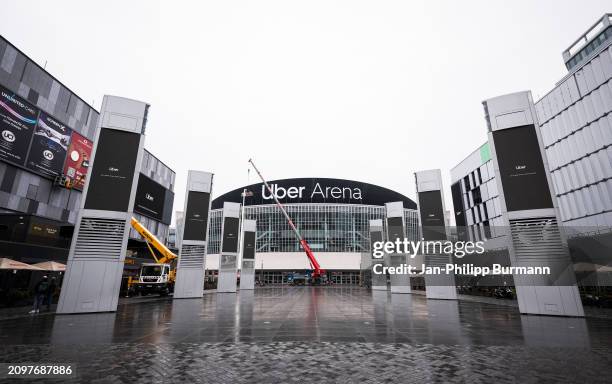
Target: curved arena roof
point(315, 190)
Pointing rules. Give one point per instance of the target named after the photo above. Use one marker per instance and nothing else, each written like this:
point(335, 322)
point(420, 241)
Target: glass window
point(326, 227)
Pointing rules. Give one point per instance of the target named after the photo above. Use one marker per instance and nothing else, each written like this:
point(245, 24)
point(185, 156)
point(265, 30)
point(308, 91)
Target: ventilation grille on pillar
point(436, 260)
point(99, 239)
point(537, 239)
point(192, 256)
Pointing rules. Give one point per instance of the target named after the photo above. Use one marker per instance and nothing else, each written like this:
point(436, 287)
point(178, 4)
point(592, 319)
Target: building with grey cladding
point(21, 190)
point(575, 121)
point(576, 126)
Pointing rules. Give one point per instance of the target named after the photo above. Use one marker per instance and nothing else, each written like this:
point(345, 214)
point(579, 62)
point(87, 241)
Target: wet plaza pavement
point(315, 334)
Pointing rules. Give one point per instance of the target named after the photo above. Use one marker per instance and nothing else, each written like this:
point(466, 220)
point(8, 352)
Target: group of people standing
point(44, 291)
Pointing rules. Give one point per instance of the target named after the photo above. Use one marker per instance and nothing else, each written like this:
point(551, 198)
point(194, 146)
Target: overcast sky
point(365, 90)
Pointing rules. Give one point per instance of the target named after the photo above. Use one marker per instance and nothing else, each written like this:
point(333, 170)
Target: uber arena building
point(331, 214)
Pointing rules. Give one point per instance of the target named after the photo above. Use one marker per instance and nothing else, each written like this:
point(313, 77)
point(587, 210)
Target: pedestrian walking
point(51, 292)
point(41, 290)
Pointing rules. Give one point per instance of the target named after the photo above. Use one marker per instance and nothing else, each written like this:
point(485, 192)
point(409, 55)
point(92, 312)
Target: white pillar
point(193, 236)
point(430, 198)
point(228, 255)
point(534, 236)
point(99, 243)
point(396, 229)
point(379, 281)
point(249, 239)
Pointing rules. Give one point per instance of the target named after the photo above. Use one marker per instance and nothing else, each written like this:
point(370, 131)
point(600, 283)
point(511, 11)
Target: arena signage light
point(313, 190)
point(317, 191)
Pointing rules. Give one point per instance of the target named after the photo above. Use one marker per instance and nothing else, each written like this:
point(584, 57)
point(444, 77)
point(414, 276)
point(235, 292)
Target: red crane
point(314, 264)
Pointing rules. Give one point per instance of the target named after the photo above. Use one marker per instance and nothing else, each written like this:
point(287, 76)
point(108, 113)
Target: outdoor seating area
point(18, 281)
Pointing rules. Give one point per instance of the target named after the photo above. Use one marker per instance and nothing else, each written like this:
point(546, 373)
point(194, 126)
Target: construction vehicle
point(317, 273)
point(157, 277)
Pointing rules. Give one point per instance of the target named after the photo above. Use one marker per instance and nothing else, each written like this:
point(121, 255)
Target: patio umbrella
point(604, 268)
point(592, 267)
point(51, 266)
point(586, 267)
point(6, 263)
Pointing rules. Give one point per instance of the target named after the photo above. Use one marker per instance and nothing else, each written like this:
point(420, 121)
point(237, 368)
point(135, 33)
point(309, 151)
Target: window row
point(483, 212)
point(341, 228)
point(480, 194)
point(589, 48)
point(486, 230)
point(477, 177)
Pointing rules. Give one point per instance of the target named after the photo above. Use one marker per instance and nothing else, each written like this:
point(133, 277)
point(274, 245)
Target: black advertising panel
point(49, 146)
point(230, 234)
point(196, 216)
point(375, 237)
point(459, 210)
point(396, 228)
point(522, 169)
point(458, 204)
point(168, 205)
point(152, 199)
point(248, 248)
point(17, 123)
point(315, 190)
point(113, 170)
point(432, 215)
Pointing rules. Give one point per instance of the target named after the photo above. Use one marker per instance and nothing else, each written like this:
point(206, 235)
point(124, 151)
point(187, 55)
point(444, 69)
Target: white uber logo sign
point(317, 192)
point(281, 193)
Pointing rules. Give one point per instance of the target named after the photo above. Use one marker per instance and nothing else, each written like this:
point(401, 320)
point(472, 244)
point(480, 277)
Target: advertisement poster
point(17, 122)
point(113, 171)
point(49, 146)
point(151, 200)
point(77, 160)
point(522, 169)
point(196, 218)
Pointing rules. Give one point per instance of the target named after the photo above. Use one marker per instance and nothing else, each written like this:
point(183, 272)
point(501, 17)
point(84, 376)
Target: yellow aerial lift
point(157, 277)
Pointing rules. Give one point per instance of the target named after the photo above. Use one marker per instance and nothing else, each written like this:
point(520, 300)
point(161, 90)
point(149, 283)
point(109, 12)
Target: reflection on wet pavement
point(321, 335)
point(310, 314)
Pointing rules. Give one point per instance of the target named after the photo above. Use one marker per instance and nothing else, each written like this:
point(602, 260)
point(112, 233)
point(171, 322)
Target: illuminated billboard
point(77, 160)
point(49, 146)
point(17, 122)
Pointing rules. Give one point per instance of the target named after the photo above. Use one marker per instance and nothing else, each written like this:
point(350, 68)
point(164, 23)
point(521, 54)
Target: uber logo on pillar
point(328, 192)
